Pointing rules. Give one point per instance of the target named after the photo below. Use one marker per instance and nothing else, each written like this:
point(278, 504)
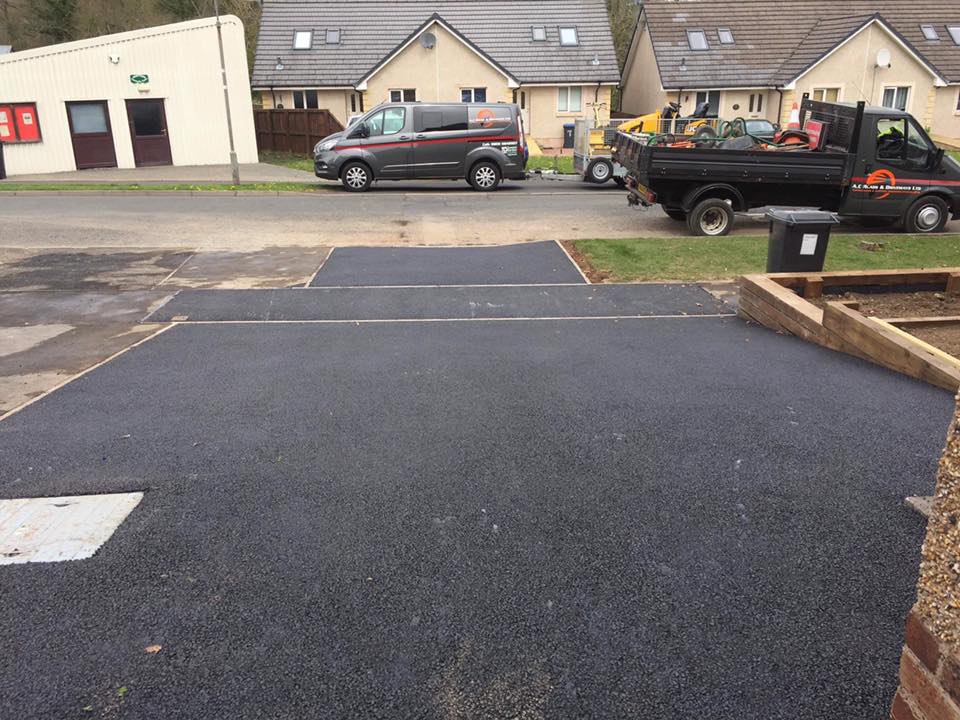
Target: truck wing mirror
point(938, 158)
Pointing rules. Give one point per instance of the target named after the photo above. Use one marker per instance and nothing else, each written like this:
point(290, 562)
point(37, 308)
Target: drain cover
point(60, 528)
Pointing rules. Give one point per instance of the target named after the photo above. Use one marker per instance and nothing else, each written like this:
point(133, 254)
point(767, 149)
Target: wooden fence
point(293, 131)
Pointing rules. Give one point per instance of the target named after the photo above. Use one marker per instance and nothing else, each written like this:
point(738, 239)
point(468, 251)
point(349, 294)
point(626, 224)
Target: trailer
point(592, 159)
point(874, 164)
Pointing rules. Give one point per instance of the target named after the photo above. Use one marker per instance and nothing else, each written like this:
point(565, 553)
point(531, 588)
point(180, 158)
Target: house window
point(568, 36)
point(353, 103)
point(305, 99)
point(756, 102)
point(405, 95)
point(19, 123)
point(539, 33)
point(896, 97)
point(523, 100)
point(333, 37)
point(713, 98)
point(697, 40)
point(823, 94)
point(929, 32)
point(725, 35)
point(303, 39)
point(958, 101)
point(473, 95)
point(568, 99)
point(954, 31)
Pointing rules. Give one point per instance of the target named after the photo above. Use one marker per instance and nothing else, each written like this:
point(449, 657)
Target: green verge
point(295, 162)
point(694, 258)
point(560, 164)
point(165, 187)
point(955, 154)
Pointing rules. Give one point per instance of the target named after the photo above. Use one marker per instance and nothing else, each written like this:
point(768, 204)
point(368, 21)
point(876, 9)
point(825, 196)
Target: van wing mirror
point(938, 158)
point(360, 131)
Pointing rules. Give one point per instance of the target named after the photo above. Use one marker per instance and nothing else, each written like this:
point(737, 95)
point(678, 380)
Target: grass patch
point(135, 187)
point(560, 163)
point(694, 258)
point(955, 154)
point(295, 162)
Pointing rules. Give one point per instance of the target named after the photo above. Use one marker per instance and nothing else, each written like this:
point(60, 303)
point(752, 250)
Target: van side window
point(441, 120)
point(386, 122)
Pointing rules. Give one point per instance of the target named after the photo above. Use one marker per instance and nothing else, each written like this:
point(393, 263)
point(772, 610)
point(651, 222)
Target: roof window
point(725, 35)
point(568, 36)
point(954, 31)
point(302, 39)
point(697, 40)
point(539, 33)
point(929, 32)
point(333, 37)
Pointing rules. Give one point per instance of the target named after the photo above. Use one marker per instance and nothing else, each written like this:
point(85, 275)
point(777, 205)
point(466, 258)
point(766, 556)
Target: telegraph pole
point(234, 165)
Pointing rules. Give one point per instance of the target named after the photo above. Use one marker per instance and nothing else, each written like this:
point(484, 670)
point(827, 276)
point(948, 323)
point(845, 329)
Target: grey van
point(482, 143)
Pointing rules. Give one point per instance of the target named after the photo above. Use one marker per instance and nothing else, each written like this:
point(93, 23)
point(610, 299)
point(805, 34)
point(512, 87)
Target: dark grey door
point(440, 141)
point(390, 142)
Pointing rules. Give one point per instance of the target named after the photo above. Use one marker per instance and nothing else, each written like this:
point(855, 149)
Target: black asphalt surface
point(415, 303)
point(529, 263)
point(657, 518)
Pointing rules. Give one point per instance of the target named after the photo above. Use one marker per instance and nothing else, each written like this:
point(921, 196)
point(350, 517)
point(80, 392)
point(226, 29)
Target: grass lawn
point(127, 187)
point(694, 258)
point(296, 162)
point(955, 154)
point(562, 164)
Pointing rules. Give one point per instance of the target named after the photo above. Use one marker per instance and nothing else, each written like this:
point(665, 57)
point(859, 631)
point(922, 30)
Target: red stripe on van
point(501, 138)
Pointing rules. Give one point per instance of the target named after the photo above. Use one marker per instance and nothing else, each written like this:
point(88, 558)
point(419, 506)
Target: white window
point(568, 99)
point(302, 39)
point(697, 40)
point(954, 31)
point(539, 33)
point(333, 37)
point(958, 101)
point(831, 95)
point(405, 95)
point(473, 95)
point(929, 32)
point(568, 36)
point(712, 98)
point(896, 97)
point(725, 35)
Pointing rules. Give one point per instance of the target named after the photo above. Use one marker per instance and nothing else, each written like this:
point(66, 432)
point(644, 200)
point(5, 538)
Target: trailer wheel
point(926, 215)
point(599, 171)
point(677, 214)
point(711, 217)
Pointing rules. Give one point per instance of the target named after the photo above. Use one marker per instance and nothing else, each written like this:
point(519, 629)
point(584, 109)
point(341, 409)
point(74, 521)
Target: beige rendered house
point(755, 58)
point(554, 58)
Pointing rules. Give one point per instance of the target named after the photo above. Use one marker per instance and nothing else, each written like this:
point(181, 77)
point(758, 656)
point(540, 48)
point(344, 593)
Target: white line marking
point(177, 269)
point(394, 287)
point(446, 320)
point(80, 374)
point(312, 277)
point(574, 263)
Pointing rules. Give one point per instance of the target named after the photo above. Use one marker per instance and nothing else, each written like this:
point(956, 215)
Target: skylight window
point(303, 39)
point(568, 36)
point(725, 35)
point(539, 33)
point(333, 37)
point(697, 40)
point(954, 31)
point(929, 32)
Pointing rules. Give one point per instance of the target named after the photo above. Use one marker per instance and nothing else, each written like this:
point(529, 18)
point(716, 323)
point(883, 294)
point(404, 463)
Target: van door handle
point(404, 137)
point(421, 137)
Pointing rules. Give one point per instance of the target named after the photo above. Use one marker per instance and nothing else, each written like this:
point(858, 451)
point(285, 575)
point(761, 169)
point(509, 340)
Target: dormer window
point(539, 33)
point(697, 40)
point(725, 35)
point(568, 36)
point(954, 31)
point(333, 37)
point(303, 39)
point(929, 32)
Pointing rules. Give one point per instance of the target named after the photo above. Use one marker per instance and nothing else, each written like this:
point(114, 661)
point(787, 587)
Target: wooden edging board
point(770, 301)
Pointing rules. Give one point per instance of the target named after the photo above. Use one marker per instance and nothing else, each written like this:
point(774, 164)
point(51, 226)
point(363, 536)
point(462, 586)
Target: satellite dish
point(428, 40)
point(883, 58)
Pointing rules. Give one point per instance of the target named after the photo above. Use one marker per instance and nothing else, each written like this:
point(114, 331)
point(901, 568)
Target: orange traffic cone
point(794, 123)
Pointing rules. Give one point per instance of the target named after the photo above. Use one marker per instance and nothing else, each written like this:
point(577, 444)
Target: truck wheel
point(675, 214)
point(712, 217)
point(356, 177)
point(926, 215)
point(600, 171)
point(485, 176)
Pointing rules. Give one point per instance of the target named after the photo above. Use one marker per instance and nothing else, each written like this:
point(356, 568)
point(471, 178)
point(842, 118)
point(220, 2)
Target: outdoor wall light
point(596, 60)
point(115, 59)
point(683, 65)
point(279, 64)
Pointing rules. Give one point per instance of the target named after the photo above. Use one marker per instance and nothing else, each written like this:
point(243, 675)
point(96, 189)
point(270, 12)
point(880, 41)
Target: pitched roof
point(371, 30)
point(776, 42)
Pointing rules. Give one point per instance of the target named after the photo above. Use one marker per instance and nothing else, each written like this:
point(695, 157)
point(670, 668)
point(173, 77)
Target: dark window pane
point(298, 99)
point(479, 94)
point(466, 95)
point(410, 95)
point(312, 99)
point(430, 121)
point(455, 119)
point(147, 118)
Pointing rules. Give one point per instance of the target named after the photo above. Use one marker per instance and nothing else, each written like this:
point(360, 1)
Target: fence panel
point(293, 131)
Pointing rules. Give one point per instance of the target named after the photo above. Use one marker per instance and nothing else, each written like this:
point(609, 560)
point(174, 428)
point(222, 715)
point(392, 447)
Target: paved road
point(605, 518)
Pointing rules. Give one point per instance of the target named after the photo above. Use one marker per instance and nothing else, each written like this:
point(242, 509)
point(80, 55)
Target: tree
point(55, 19)
point(623, 20)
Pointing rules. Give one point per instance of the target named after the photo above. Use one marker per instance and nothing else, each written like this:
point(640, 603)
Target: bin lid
point(802, 217)
point(569, 125)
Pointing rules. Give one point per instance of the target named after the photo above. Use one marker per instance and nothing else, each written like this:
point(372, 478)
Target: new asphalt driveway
point(615, 517)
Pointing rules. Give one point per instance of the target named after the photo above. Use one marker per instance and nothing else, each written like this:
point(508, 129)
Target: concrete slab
point(441, 303)
point(15, 340)
point(79, 308)
point(274, 267)
point(190, 174)
point(528, 263)
point(89, 269)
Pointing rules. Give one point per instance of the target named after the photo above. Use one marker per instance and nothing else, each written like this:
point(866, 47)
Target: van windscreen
point(440, 120)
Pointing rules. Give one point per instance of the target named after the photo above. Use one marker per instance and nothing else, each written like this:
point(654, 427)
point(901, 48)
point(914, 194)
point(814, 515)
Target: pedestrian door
point(148, 132)
point(91, 134)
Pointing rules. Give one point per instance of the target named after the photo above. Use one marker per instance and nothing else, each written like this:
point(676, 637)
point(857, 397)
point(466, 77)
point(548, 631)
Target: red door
point(91, 134)
point(148, 132)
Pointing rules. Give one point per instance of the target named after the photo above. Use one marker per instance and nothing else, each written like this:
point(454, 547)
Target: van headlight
point(324, 145)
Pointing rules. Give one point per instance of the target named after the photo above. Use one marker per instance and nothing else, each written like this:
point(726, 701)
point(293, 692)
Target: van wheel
point(926, 215)
point(711, 217)
point(600, 171)
point(484, 176)
point(356, 177)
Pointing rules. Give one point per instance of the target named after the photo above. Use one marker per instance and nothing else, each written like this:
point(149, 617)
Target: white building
point(146, 97)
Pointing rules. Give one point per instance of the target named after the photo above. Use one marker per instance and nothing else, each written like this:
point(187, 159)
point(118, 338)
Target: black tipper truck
point(876, 164)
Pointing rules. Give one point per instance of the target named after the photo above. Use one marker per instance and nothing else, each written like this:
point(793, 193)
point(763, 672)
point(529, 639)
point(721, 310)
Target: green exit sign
point(139, 79)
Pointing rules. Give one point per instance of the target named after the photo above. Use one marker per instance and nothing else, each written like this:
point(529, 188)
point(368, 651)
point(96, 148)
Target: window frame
point(296, 37)
point(576, 35)
point(729, 32)
point(697, 101)
point(896, 89)
point(954, 32)
point(564, 92)
point(473, 94)
point(533, 33)
point(403, 94)
point(926, 28)
point(825, 89)
point(701, 33)
point(326, 36)
point(15, 124)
